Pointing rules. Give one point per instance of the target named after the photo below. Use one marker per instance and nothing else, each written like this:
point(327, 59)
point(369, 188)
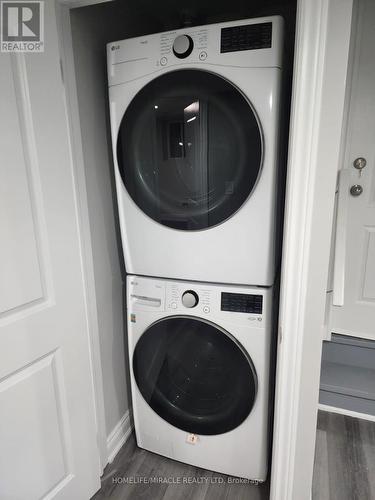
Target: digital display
point(247, 37)
point(241, 302)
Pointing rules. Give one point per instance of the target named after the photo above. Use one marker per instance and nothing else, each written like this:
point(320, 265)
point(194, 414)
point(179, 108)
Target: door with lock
point(353, 302)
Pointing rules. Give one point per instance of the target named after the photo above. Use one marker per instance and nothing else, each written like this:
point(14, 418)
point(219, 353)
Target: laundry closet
point(167, 131)
point(347, 361)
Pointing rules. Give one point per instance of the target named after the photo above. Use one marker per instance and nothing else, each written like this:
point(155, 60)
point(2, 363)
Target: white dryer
point(200, 361)
point(195, 125)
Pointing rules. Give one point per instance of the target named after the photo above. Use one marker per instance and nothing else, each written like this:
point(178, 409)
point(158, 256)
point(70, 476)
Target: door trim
point(323, 32)
point(73, 123)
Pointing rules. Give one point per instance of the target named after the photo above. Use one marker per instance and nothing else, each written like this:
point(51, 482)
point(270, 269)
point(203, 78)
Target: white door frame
point(320, 67)
point(73, 121)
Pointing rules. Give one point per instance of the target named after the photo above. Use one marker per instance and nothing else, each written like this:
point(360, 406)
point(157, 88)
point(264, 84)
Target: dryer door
point(189, 149)
point(195, 375)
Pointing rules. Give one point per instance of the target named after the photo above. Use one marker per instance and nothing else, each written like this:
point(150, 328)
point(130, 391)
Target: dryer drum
point(195, 375)
point(189, 149)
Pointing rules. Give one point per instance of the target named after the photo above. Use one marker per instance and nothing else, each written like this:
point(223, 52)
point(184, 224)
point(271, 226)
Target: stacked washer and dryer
point(195, 127)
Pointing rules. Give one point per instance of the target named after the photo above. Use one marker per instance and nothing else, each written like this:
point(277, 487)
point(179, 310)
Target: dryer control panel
point(248, 43)
point(246, 37)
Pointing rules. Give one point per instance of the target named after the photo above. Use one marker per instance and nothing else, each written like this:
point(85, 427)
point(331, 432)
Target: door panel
point(47, 415)
point(20, 256)
point(356, 315)
point(33, 408)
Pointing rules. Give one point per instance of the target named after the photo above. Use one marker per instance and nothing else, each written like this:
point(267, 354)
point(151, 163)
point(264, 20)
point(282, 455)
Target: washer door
point(189, 149)
point(194, 375)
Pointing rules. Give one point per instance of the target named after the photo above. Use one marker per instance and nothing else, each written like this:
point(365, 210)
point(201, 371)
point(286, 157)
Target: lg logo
point(22, 26)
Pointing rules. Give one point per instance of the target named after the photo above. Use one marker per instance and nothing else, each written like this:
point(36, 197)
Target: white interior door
point(353, 310)
point(47, 422)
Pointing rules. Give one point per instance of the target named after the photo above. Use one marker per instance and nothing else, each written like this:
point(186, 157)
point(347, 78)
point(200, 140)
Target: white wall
point(92, 28)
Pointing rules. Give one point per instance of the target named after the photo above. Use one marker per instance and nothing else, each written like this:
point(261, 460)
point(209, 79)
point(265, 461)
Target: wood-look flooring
point(344, 458)
point(123, 480)
point(344, 470)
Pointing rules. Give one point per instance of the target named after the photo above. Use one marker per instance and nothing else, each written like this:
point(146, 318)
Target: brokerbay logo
point(22, 26)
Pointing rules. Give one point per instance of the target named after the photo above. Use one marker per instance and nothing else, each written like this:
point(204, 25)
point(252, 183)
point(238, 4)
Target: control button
point(174, 305)
point(206, 309)
point(183, 46)
point(190, 298)
point(163, 61)
point(259, 319)
point(203, 55)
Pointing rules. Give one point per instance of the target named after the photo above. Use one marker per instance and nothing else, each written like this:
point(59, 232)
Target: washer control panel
point(241, 302)
point(238, 304)
point(241, 305)
point(185, 296)
point(190, 299)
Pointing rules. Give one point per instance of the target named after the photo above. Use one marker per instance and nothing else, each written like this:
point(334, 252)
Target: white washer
point(195, 125)
point(199, 363)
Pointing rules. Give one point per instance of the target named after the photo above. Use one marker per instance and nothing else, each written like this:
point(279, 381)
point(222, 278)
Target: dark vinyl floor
point(129, 474)
point(344, 458)
point(344, 470)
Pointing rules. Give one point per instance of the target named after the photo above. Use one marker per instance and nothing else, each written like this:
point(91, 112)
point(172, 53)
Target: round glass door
point(189, 149)
point(194, 375)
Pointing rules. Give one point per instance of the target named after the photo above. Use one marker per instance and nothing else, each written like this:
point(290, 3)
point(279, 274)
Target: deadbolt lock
point(356, 190)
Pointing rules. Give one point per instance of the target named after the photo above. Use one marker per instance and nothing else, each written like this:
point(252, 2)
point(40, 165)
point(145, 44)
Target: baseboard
point(348, 413)
point(119, 436)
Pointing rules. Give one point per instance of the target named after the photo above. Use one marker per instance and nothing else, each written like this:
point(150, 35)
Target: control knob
point(183, 46)
point(190, 299)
